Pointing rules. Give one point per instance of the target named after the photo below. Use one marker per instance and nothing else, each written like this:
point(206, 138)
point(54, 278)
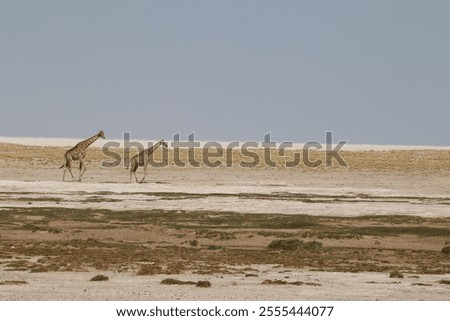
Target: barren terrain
point(378, 228)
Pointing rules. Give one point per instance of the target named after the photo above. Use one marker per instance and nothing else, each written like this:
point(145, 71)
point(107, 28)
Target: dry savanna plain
point(377, 229)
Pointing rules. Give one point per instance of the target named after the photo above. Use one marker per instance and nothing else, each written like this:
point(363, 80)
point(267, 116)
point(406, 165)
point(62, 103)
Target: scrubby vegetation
point(396, 274)
point(208, 242)
point(294, 244)
point(100, 277)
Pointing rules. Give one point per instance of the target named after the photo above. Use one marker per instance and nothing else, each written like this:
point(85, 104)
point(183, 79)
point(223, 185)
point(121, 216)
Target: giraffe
point(78, 152)
point(142, 160)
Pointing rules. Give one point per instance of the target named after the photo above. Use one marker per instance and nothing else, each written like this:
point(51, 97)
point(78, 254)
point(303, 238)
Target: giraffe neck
point(87, 142)
point(153, 148)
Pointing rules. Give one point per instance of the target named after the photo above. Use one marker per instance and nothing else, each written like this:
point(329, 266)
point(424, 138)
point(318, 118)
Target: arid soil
point(377, 229)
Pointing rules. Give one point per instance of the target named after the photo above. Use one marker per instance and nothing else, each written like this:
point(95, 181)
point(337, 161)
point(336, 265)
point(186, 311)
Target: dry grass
point(126, 241)
point(396, 274)
point(171, 281)
point(397, 160)
point(422, 284)
point(13, 282)
point(36, 228)
point(209, 242)
point(217, 235)
point(293, 245)
point(199, 284)
point(283, 282)
point(149, 269)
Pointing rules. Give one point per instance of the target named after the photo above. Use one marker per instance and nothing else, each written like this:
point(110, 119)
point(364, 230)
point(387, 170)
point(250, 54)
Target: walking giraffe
point(78, 152)
point(141, 159)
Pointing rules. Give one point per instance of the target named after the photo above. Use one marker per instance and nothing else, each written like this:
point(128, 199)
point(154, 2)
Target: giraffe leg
point(82, 169)
point(133, 168)
point(64, 171)
point(133, 171)
point(145, 174)
point(65, 166)
point(69, 167)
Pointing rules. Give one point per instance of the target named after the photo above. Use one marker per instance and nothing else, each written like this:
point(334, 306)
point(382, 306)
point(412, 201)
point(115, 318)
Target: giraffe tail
point(64, 164)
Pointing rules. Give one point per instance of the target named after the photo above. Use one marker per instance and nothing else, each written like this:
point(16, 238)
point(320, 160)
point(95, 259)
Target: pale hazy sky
point(375, 72)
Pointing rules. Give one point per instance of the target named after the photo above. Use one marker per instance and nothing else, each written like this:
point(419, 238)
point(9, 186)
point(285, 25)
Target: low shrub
point(293, 244)
point(396, 274)
point(446, 250)
point(100, 277)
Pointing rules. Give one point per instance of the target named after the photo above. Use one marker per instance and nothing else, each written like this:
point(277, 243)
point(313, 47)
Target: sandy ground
point(44, 221)
point(125, 286)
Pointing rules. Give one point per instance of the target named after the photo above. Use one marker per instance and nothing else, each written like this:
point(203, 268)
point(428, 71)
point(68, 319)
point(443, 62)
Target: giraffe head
point(101, 134)
point(163, 143)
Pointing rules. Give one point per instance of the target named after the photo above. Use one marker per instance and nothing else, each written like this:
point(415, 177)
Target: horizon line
point(69, 141)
